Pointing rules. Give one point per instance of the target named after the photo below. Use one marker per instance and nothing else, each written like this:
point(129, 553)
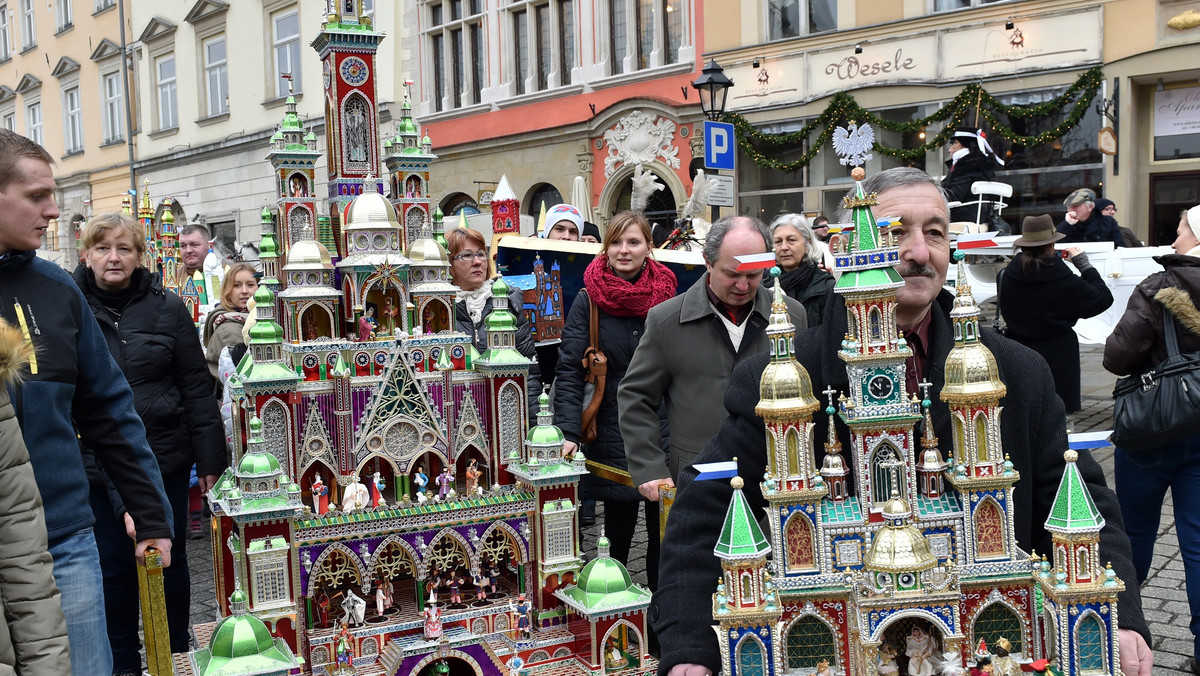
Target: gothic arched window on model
point(996, 621)
point(989, 530)
point(887, 473)
point(750, 656)
point(875, 325)
point(299, 218)
point(1089, 640)
point(357, 139)
point(798, 534)
point(982, 449)
point(809, 640)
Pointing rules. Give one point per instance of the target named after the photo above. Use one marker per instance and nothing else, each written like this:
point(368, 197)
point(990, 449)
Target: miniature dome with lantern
point(971, 372)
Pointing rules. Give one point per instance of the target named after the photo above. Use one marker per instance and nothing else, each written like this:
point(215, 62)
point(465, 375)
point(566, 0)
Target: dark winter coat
point(1097, 228)
point(155, 344)
point(812, 296)
point(1040, 308)
point(75, 394)
point(619, 338)
point(462, 320)
point(1136, 344)
point(1034, 435)
point(960, 175)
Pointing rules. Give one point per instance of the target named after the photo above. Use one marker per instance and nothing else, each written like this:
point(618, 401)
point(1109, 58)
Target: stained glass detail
point(1089, 640)
point(750, 660)
point(995, 621)
point(809, 641)
point(798, 533)
point(989, 530)
point(399, 395)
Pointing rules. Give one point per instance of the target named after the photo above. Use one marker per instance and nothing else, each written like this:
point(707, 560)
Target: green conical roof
point(240, 636)
point(1073, 511)
point(741, 538)
point(866, 232)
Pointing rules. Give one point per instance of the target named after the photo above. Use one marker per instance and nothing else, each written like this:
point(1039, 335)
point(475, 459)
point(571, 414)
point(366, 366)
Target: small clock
point(880, 387)
point(354, 71)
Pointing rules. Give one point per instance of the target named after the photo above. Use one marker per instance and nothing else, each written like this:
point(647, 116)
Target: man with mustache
point(1033, 430)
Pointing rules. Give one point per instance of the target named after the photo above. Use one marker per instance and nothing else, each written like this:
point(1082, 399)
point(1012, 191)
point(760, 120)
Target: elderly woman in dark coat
point(799, 257)
point(624, 282)
point(1041, 300)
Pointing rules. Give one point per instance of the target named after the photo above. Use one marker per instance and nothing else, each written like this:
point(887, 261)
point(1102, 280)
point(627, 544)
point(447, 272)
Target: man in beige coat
point(691, 344)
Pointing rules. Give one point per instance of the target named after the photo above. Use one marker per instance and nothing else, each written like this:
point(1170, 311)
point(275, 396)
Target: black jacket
point(76, 393)
point(462, 320)
point(813, 296)
point(156, 345)
point(959, 176)
point(619, 337)
point(1034, 436)
point(1040, 308)
point(1097, 228)
point(1136, 344)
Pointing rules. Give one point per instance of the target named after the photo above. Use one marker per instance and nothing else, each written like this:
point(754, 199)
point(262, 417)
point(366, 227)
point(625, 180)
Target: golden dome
point(370, 210)
point(971, 376)
point(308, 254)
point(785, 387)
point(932, 459)
point(834, 463)
point(899, 549)
point(426, 250)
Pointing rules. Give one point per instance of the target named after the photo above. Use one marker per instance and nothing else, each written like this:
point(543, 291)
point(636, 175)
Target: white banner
point(1177, 112)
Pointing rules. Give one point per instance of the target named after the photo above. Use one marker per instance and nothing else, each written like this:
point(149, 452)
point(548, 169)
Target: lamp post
point(713, 86)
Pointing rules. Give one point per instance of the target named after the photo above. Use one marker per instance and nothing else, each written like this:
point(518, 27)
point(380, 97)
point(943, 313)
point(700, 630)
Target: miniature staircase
point(391, 657)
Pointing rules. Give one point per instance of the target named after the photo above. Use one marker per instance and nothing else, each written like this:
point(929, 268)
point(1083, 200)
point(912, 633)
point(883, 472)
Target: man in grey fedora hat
point(1085, 223)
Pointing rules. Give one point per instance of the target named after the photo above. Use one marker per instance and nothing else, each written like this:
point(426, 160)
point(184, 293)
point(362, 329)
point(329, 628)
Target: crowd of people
point(119, 397)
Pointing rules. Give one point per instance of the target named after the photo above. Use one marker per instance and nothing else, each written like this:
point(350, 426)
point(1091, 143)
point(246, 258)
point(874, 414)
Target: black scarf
point(115, 301)
point(797, 280)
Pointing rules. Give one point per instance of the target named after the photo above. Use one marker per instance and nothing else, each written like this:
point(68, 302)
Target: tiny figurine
point(355, 497)
point(378, 485)
point(445, 482)
point(480, 582)
point(320, 496)
point(1002, 662)
point(383, 595)
point(389, 313)
point(887, 660)
point(613, 657)
point(823, 668)
point(421, 480)
point(473, 473)
point(521, 609)
point(345, 648)
point(983, 664)
point(323, 604)
point(920, 653)
point(367, 323)
point(493, 578)
point(354, 607)
point(433, 620)
point(455, 581)
point(310, 326)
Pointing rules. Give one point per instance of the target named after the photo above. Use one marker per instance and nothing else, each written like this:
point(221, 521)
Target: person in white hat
point(563, 221)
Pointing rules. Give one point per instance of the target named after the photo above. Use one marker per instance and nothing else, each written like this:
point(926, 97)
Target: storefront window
point(1177, 124)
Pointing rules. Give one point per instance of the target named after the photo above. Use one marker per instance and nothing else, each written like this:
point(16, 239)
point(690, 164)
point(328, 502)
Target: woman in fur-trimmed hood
point(33, 637)
point(1142, 479)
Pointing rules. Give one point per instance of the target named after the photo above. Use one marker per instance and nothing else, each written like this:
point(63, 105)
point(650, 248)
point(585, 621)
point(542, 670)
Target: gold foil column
point(154, 615)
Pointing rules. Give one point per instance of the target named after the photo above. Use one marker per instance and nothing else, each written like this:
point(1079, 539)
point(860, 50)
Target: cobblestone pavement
point(1162, 596)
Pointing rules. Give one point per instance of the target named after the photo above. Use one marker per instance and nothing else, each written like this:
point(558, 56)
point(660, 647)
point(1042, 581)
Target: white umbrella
point(580, 199)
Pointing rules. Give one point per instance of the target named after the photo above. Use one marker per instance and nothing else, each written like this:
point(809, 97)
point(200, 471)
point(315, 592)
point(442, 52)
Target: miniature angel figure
point(823, 668)
point(920, 651)
point(433, 620)
point(473, 475)
point(354, 607)
point(887, 660)
point(345, 648)
point(444, 481)
point(421, 480)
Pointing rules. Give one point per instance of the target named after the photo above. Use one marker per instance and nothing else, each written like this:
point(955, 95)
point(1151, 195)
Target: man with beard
point(1033, 429)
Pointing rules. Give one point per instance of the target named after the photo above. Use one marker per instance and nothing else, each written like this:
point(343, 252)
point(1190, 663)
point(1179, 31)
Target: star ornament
point(388, 274)
point(853, 144)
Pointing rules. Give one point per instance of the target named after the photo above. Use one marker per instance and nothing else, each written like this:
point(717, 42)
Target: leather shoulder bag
point(595, 364)
point(1162, 405)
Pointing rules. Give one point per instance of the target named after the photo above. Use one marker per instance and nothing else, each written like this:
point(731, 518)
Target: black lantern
point(713, 87)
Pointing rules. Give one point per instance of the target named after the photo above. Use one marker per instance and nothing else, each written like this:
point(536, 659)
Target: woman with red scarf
point(624, 283)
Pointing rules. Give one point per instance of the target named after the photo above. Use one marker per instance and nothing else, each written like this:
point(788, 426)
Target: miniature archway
point(276, 421)
point(336, 568)
point(798, 534)
point(989, 529)
point(297, 184)
point(751, 655)
point(448, 552)
point(386, 469)
point(621, 646)
point(315, 322)
point(498, 541)
point(435, 316)
point(982, 447)
point(328, 477)
point(809, 640)
point(887, 469)
point(472, 453)
point(995, 621)
point(1092, 655)
point(459, 663)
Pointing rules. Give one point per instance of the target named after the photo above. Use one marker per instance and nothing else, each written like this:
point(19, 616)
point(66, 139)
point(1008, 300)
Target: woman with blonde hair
point(623, 282)
point(223, 327)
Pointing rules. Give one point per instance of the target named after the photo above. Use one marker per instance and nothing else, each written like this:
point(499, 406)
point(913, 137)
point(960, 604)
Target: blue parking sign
point(720, 150)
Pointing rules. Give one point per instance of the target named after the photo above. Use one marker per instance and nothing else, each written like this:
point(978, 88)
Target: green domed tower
point(294, 156)
point(408, 157)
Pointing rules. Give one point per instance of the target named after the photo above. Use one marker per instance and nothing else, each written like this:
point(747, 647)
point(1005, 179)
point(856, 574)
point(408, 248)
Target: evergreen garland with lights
point(843, 108)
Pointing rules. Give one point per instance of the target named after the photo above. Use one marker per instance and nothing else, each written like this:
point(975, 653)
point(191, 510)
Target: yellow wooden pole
point(154, 615)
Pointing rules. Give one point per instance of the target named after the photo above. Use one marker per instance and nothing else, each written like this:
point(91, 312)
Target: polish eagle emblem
point(853, 144)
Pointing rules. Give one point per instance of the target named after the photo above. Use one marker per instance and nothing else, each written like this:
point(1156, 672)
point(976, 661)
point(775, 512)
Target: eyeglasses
point(470, 256)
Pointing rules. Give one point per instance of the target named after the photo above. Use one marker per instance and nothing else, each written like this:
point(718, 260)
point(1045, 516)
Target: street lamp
point(713, 86)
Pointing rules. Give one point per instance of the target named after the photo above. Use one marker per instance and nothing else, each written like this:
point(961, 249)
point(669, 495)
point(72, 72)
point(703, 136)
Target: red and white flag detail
point(755, 261)
point(976, 240)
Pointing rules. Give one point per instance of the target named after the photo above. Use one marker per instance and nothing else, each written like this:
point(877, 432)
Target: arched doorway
point(661, 208)
point(912, 638)
point(542, 193)
point(454, 203)
point(449, 666)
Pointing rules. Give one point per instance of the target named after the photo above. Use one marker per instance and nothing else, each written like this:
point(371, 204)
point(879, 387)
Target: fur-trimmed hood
point(15, 353)
point(1180, 305)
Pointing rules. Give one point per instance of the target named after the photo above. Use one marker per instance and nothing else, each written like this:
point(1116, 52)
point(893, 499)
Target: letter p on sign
point(720, 151)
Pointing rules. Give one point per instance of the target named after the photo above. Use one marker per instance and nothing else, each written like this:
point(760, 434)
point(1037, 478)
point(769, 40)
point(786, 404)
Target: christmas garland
point(843, 108)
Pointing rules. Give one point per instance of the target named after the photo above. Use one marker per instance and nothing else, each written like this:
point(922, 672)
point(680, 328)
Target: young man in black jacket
point(72, 386)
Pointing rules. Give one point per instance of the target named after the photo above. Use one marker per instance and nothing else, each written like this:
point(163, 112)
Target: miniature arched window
point(887, 472)
point(793, 453)
point(875, 324)
point(299, 219)
point(799, 537)
point(275, 427)
point(750, 659)
point(1049, 631)
point(414, 223)
point(851, 324)
point(996, 621)
point(982, 451)
point(809, 640)
point(435, 317)
point(960, 440)
point(1089, 637)
point(970, 331)
point(957, 331)
point(357, 134)
point(989, 530)
point(1083, 571)
point(747, 588)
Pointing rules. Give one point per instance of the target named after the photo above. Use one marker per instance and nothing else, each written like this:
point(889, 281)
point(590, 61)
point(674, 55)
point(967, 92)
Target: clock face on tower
point(880, 387)
point(354, 71)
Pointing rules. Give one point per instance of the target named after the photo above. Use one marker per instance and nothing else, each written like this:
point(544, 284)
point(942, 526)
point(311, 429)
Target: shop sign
point(776, 80)
point(1053, 41)
point(1177, 112)
point(911, 60)
point(720, 190)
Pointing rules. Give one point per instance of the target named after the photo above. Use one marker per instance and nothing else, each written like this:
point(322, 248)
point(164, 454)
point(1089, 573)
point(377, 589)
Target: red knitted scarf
point(622, 298)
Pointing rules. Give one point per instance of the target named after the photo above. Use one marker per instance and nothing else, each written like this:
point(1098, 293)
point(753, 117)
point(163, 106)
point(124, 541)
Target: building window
point(28, 34)
point(9, 121)
point(287, 50)
point(5, 34)
point(33, 121)
point(216, 77)
point(566, 22)
point(104, 4)
point(1175, 135)
point(543, 44)
point(63, 11)
point(618, 26)
point(168, 109)
point(945, 5)
point(674, 27)
point(458, 74)
point(72, 120)
point(521, 42)
point(113, 107)
point(649, 31)
point(790, 18)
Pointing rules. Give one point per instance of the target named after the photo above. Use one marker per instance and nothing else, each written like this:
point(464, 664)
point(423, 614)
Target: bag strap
point(999, 321)
point(1170, 332)
point(593, 323)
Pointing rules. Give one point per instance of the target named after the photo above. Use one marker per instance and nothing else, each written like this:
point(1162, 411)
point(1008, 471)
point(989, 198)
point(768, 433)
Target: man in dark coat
point(1033, 431)
point(1085, 223)
point(971, 160)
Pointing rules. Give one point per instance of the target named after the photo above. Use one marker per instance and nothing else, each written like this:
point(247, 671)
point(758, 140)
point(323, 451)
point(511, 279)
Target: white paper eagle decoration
point(853, 144)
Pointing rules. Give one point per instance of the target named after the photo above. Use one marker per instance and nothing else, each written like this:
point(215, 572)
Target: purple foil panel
point(435, 393)
point(360, 398)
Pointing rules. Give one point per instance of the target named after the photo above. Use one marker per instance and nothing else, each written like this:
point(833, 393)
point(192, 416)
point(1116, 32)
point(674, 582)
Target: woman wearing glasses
point(470, 272)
